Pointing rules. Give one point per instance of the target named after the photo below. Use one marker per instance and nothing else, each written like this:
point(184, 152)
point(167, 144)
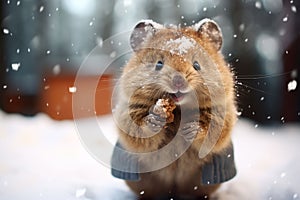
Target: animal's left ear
point(210, 30)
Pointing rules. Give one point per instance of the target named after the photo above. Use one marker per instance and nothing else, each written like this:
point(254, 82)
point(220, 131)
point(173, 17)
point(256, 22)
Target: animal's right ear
point(143, 31)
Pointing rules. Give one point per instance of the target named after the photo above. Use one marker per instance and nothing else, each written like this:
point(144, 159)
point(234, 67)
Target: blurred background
point(43, 44)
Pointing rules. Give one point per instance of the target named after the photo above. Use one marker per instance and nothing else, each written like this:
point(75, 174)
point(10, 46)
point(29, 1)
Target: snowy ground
point(44, 159)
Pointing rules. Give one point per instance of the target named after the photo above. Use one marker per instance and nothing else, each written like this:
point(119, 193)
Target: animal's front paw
point(154, 122)
point(190, 130)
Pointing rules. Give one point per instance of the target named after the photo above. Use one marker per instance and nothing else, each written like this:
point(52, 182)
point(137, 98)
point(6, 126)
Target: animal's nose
point(178, 81)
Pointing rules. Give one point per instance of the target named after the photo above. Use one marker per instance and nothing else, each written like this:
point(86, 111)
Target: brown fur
point(142, 86)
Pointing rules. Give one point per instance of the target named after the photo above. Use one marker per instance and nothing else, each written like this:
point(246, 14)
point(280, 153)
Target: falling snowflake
point(113, 54)
point(239, 113)
point(41, 8)
point(5, 31)
point(72, 89)
point(56, 69)
point(242, 27)
point(15, 66)
point(258, 5)
point(273, 133)
point(285, 19)
point(294, 9)
point(292, 85)
point(294, 73)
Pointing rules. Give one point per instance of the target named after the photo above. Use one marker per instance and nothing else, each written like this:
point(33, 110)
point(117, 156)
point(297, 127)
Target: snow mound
point(44, 159)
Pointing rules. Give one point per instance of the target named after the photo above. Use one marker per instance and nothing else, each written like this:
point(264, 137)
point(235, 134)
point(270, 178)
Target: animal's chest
point(185, 168)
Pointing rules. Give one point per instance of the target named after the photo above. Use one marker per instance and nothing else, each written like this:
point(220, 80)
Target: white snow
point(113, 54)
point(292, 85)
point(44, 159)
point(99, 41)
point(258, 4)
point(5, 31)
point(180, 45)
point(80, 192)
point(15, 66)
point(242, 27)
point(41, 9)
point(294, 9)
point(72, 89)
point(294, 73)
point(153, 23)
point(56, 69)
point(201, 22)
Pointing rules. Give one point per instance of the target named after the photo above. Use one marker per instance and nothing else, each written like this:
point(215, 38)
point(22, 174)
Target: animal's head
point(177, 61)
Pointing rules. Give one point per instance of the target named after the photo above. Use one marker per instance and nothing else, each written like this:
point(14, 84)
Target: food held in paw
point(164, 108)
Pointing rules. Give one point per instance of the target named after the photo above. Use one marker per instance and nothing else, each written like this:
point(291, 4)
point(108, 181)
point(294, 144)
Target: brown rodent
point(182, 65)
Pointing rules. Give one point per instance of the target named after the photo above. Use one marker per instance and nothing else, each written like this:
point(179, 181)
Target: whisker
point(253, 88)
point(260, 76)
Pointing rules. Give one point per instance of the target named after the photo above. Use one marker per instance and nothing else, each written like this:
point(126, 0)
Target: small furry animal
point(184, 67)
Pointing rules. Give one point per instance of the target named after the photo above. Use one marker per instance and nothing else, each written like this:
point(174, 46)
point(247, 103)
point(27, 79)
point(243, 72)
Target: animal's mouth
point(178, 96)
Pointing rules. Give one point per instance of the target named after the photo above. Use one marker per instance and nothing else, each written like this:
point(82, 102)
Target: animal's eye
point(196, 66)
point(159, 65)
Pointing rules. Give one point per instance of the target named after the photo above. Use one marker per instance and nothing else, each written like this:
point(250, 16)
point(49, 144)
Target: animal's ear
point(142, 31)
point(211, 30)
